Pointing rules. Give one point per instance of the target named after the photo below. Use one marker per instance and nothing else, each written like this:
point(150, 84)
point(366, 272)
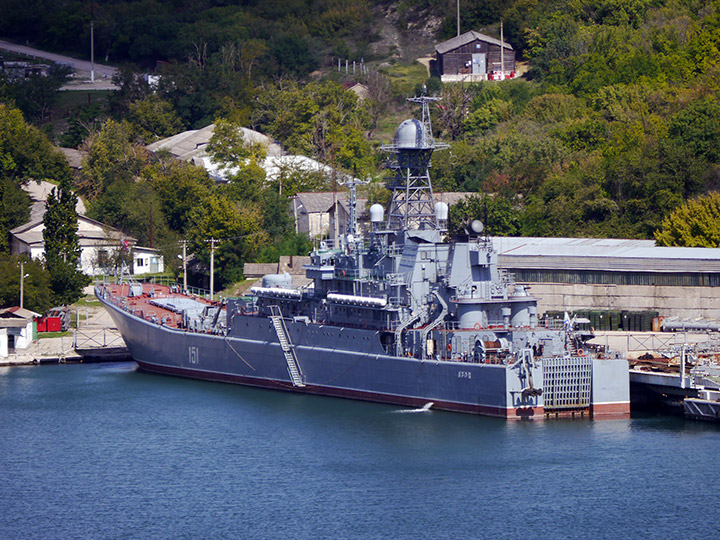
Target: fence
point(95, 338)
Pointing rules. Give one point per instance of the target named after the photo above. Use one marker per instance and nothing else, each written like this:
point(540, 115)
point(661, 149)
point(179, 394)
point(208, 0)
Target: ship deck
point(154, 304)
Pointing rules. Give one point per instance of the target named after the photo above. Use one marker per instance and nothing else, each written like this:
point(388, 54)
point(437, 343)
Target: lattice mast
point(352, 183)
point(412, 205)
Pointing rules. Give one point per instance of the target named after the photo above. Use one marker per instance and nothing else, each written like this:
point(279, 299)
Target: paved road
point(103, 73)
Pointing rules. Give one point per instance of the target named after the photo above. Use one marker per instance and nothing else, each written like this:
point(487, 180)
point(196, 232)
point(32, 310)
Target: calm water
point(101, 451)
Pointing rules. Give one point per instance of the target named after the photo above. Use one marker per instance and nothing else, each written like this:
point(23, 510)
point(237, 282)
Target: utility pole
point(184, 245)
point(212, 241)
point(22, 279)
point(92, 41)
point(458, 17)
point(502, 53)
point(151, 225)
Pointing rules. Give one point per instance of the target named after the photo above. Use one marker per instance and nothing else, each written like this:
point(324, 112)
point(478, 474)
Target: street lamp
point(23, 275)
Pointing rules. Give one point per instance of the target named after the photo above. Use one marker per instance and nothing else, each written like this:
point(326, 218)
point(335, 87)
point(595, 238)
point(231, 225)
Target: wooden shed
point(473, 56)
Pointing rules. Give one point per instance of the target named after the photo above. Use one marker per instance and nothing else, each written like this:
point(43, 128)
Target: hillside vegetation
point(613, 131)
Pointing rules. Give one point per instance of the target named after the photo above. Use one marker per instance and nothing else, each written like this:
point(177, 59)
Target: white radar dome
point(441, 210)
point(476, 226)
point(377, 213)
point(411, 134)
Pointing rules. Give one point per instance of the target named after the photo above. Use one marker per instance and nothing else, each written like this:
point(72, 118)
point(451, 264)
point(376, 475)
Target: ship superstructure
point(400, 315)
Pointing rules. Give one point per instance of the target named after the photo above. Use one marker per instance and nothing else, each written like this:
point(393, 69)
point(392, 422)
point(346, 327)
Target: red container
point(54, 324)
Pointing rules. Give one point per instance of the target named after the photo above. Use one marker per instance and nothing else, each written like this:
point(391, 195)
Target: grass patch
point(46, 335)
point(387, 126)
point(405, 77)
point(12, 56)
point(88, 301)
point(72, 99)
point(238, 289)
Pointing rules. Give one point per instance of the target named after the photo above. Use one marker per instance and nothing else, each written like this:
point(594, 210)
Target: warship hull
point(348, 363)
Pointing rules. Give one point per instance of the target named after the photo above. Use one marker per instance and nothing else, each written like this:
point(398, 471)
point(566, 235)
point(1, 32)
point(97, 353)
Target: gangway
point(287, 346)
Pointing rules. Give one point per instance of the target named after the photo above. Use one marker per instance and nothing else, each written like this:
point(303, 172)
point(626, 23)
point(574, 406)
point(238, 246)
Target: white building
point(99, 243)
point(16, 329)
point(147, 261)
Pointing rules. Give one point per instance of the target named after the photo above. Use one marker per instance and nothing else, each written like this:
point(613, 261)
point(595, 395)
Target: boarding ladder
point(287, 346)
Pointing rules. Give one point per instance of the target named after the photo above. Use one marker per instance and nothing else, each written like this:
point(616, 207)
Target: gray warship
point(397, 314)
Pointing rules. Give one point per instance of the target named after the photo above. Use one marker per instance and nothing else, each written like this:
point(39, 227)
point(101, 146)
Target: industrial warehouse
point(616, 275)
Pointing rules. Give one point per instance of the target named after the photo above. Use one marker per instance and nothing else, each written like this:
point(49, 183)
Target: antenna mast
point(352, 183)
point(412, 205)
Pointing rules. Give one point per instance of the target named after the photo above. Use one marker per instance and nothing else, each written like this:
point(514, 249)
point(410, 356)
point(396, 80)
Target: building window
point(599, 277)
point(141, 262)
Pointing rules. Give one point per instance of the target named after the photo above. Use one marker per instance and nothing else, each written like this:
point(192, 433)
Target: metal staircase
point(287, 346)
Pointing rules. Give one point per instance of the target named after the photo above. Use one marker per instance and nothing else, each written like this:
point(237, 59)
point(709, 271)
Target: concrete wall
point(319, 224)
point(3, 343)
point(23, 337)
point(687, 302)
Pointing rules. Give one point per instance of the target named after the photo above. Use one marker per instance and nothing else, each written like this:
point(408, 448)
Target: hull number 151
point(193, 355)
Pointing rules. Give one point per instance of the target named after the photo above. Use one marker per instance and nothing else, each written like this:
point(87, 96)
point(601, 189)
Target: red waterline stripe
point(485, 410)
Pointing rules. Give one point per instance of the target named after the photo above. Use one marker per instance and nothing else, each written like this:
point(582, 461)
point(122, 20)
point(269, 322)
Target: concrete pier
point(96, 340)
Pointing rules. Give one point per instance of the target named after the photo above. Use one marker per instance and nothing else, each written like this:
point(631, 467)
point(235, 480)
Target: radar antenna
point(412, 205)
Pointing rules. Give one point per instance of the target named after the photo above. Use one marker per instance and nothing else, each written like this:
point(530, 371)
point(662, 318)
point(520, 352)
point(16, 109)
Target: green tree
point(694, 224)
point(499, 214)
point(239, 160)
point(26, 155)
point(36, 95)
point(14, 210)
point(25, 152)
point(112, 158)
point(153, 118)
point(62, 246)
point(698, 128)
point(294, 54)
point(239, 229)
point(320, 119)
point(36, 286)
point(181, 188)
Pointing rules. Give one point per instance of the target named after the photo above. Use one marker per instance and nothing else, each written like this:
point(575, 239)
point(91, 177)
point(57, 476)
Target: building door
point(478, 64)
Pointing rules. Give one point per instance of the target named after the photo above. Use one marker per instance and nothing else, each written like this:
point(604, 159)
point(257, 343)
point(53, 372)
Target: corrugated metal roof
point(468, 37)
point(190, 144)
point(18, 312)
point(453, 197)
point(259, 269)
point(89, 232)
point(607, 254)
point(315, 202)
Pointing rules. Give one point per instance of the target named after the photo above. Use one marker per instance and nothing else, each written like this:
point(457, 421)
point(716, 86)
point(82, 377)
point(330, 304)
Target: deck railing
point(167, 281)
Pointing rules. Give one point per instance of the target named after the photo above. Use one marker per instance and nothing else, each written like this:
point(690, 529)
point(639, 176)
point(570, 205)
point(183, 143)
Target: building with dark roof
point(473, 56)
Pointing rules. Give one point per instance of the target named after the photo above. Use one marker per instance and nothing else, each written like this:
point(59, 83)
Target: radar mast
point(412, 205)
